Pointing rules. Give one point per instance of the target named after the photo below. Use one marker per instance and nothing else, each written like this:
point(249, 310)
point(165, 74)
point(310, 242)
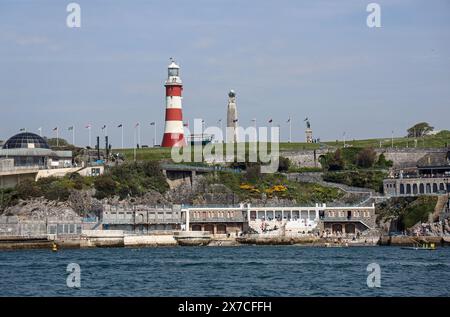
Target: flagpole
point(139, 135)
point(154, 134)
point(73, 135)
point(221, 128)
point(90, 142)
point(57, 137)
point(122, 135)
point(134, 135)
point(290, 130)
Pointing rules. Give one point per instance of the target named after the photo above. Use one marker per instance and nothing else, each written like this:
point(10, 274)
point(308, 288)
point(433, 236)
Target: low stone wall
point(279, 240)
point(401, 157)
point(56, 172)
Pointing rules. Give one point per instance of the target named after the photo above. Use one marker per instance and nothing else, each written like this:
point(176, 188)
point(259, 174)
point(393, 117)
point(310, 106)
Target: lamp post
point(392, 139)
point(448, 193)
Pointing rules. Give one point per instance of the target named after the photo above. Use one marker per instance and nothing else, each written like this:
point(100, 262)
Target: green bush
point(284, 164)
point(366, 158)
point(105, 186)
point(8, 197)
point(332, 161)
point(28, 189)
point(406, 210)
point(303, 193)
point(382, 162)
point(418, 211)
point(297, 169)
point(356, 178)
point(131, 179)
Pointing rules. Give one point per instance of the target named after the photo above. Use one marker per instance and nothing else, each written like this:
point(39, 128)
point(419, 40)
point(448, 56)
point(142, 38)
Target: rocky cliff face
point(40, 209)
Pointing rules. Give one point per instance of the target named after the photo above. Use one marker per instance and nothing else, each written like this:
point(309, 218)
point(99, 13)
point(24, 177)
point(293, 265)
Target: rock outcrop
point(40, 209)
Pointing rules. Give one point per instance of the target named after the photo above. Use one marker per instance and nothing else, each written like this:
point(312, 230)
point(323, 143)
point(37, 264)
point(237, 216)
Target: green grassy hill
point(433, 141)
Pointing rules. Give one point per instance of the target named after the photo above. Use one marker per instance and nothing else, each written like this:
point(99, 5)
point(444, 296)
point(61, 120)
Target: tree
point(105, 186)
point(284, 164)
point(366, 157)
point(420, 129)
point(383, 162)
point(53, 142)
point(336, 163)
point(253, 172)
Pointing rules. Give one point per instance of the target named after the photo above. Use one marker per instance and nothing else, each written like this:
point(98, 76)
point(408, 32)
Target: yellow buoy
point(54, 247)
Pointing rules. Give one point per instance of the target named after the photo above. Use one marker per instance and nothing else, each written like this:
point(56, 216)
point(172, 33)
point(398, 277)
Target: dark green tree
point(336, 163)
point(366, 157)
point(419, 129)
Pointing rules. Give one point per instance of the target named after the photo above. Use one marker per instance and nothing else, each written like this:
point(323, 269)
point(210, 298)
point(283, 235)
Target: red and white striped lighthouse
point(173, 131)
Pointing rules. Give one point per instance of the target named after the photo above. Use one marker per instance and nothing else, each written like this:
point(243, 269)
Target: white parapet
point(102, 233)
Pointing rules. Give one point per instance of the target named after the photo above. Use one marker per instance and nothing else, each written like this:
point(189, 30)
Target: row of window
point(213, 214)
point(423, 188)
point(349, 213)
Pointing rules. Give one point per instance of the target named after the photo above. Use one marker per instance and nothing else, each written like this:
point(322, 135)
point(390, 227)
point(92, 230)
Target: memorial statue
point(308, 125)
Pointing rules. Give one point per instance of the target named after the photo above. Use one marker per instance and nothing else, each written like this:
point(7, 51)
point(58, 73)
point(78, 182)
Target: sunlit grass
point(435, 141)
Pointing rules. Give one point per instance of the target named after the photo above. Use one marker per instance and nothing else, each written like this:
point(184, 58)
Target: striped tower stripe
point(173, 102)
point(173, 131)
point(173, 90)
point(173, 139)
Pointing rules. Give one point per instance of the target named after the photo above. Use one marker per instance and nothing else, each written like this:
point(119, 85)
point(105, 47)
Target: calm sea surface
point(226, 271)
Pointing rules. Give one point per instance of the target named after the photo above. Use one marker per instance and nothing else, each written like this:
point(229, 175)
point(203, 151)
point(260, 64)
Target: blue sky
point(283, 58)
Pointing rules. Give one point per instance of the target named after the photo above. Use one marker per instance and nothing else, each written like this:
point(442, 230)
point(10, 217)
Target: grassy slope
point(428, 141)
point(303, 193)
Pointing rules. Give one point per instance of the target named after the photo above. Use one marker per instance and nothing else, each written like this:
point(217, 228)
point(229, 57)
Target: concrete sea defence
point(150, 240)
point(192, 238)
point(17, 243)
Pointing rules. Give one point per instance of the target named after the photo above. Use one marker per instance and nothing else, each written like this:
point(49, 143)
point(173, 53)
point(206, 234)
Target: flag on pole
point(104, 127)
point(55, 129)
point(306, 119)
point(270, 121)
point(220, 120)
point(186, 124)
point(152, 123)
point(289, 120)
point(136, 125)
point(70, 128)
point(88, 126)
point(235, 120)
point(22, 129)
point(253, 120)
point(120, 125)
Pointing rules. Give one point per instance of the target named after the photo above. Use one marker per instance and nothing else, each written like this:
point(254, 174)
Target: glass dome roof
point(26, 140)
